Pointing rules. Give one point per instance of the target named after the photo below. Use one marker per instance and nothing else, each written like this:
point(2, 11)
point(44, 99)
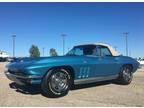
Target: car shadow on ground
point(36, 89)
point(25, 89)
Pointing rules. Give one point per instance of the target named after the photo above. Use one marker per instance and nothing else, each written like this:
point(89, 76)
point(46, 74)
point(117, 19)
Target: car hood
point(56, 59)
point(25, 62)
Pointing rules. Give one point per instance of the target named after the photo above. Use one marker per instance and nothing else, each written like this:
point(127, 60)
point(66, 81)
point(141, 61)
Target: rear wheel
point(56, 83)
point(126, 75)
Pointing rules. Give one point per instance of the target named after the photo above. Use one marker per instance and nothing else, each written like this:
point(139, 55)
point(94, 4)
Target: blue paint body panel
point(83, 66)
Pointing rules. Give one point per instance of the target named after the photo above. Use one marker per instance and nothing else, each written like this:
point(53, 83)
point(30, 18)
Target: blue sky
point(43, 23)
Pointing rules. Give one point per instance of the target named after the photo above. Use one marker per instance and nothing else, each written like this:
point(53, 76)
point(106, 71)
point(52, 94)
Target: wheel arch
point(66, 67)
point(128, 64)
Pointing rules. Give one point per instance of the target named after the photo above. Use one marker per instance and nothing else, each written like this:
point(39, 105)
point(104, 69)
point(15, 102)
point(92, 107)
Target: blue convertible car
point(82, 64)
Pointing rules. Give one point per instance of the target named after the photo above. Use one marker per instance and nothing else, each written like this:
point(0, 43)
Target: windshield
point(82, 50)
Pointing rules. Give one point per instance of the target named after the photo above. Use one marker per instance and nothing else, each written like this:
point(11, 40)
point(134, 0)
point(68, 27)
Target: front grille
point(16, 73)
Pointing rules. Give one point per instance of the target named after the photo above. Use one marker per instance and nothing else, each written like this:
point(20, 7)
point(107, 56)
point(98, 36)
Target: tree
point(34, 51)
point(53, 52)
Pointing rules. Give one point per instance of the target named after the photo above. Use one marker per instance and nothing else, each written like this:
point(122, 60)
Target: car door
point(85, 67)
point(105, 63)
point(100, 63)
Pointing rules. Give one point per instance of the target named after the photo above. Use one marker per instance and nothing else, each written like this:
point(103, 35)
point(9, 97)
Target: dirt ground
point(98, 94)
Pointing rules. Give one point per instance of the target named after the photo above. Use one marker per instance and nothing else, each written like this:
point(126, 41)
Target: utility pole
point(126, 40)
point(43, 50)
point(13, 39)
point(68, 49)
point(115, 47)
point(63, 37)
point(129, 52)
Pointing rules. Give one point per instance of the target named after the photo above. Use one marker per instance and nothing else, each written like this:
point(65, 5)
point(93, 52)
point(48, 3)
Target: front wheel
point(56, 83)
point(126, 75)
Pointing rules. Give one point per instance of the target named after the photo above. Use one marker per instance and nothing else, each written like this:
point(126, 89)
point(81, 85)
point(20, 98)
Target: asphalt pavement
point(98, 94)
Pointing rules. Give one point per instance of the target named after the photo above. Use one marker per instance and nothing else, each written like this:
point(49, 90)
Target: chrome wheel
point(59, 82)
point(127, 74)
point(56, 83)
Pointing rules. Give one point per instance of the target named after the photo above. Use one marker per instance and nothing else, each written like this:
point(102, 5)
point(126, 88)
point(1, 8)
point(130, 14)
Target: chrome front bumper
point(21, 80)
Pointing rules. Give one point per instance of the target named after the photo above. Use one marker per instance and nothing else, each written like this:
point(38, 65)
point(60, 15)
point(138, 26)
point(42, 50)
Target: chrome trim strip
point(95, 79)
point(23, 77)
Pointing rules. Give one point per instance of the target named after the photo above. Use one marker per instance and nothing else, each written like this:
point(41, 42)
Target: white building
point(141, 61)
point(4, 54)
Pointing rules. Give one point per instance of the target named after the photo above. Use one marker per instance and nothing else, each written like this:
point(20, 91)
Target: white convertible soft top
point(112, 50)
